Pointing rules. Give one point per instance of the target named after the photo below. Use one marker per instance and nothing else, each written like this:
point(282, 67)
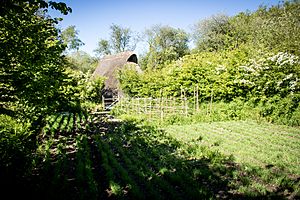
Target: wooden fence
point(161, 107)
point(153, 107)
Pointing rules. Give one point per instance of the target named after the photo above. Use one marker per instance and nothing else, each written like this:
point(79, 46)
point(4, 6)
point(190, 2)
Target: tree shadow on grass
point(160, 167)
point(125, 160)
point(149, 164)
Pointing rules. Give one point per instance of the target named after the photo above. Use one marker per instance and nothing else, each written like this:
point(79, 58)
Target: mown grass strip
point(250, 143)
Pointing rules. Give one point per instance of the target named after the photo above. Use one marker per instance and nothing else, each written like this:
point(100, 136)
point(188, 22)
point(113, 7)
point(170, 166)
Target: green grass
point(267, 156)
point(133, 159)
point(257, 144)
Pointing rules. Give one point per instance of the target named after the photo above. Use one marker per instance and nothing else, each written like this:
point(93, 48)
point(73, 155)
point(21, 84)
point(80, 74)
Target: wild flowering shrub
point(276, 74)
point(274, 83)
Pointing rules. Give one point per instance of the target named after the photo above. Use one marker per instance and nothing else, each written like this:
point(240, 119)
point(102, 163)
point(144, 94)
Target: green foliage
point(273, 74)
point(225, 76)
point(213, 72)
point(121, 39)
point(83, 87)
point(212, 34)
point(70, 38)
point(42, 5)
point(129, 80)
point(82, 61)
point(103, 48)
point(93, 89)
point(274, 28)
point(166, 44)
point(281, 110)
point(31, 61)
point(278, 27)
point(16, 145)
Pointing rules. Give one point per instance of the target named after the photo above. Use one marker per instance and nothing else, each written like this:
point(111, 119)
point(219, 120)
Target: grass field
point(268, 154)
point(83, 156)
point(250, 143)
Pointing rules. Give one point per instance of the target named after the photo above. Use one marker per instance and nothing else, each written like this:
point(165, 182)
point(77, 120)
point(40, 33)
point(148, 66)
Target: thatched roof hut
point(109, 66)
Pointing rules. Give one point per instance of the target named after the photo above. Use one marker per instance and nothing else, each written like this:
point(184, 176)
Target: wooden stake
point(150, 107)
point(160, 107)
point(211, 100)
point(197, 99)
point(103, 103)
point(185, 103)
point(138, 105)
point(182, 100)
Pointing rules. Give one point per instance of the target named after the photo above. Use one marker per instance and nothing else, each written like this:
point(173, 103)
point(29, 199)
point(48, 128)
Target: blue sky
point(93, 18)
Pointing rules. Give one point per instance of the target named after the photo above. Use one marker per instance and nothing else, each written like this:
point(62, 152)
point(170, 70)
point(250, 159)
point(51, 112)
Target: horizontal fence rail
point(153, 107)
point(159, 107)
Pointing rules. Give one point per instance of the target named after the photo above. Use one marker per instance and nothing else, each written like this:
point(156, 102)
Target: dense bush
point(31, 59)
point(16, 145)
point(83, 87)
point(211, 71)
point(264, 78)
point(82, 61)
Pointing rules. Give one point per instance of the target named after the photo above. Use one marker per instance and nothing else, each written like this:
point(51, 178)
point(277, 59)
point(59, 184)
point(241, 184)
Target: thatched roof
point(109, 65)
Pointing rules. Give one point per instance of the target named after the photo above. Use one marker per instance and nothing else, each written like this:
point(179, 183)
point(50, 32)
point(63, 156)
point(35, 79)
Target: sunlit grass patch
point(268, 155)
point(250, 143)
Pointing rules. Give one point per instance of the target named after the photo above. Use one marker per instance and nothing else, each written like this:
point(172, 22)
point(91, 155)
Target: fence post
point(127, 103)
point(103, 102)
point(172, 105)
point(150, 107)
point(145, 106)
point(169, 105)
point(162, 109)
point(197, 98)
point(182, 100)
point(186, 106)
point(211, 100)
point(121, 103)
point(138, 105)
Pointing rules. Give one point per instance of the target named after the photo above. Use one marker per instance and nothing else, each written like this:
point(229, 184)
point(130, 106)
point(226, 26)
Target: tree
point(81, 61)
point(70, 38)
point(279, 28)
point(274, 28)
point(165, 44)
point(103, 48)
point(121, 39)
point(31, 61)
point(212, 34)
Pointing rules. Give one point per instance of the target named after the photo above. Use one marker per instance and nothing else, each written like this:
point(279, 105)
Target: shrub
point(16, 143)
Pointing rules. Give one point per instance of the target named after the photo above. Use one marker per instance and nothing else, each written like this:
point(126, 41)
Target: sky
point(92, 18)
